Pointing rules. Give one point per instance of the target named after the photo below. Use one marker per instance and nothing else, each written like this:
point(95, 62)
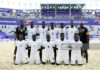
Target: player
point(84, 38)
point(21, 55)
point(47, 52)
point(62, 50)
point(35, 48)
point(76, 51)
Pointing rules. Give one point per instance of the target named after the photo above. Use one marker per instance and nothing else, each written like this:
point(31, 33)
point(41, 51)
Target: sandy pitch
point(6, 61)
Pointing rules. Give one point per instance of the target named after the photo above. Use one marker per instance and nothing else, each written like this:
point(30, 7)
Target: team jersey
point(35, 45)
point(21, 45)
point(71, 32)
point(62, 30)
point(42, 32)
point(48, 46)
point(31, 31)
point(53, 34)
point(63, 45)
point(76, 46)
point(84, 37)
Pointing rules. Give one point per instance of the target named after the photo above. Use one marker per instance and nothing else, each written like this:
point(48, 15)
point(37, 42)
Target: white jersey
point(34, 55)
point(35, 45)
point(53, 34)
point(47, 52)
point(62, 30)
point(21, 46)
point(76, 52)
point(48, 46)
point(76, 46)
point(42, 32)
point(31, 31)
point(71, 32)
point(62, 52)
point(21, 54)
point(62, 45)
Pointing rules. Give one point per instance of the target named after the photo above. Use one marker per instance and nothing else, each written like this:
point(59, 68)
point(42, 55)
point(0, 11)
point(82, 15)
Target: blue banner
point(9, 21)
point(14, 21)
point(67, 22)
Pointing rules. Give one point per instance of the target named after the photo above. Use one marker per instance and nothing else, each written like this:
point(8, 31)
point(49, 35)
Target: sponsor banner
point(13, 21)
point(67, 22)
point(9, 21)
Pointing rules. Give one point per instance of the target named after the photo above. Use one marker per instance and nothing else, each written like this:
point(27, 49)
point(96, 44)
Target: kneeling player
point(34, 55)
point(21, 55)
point(76, 51)
point(62, 50)
point(47, 52)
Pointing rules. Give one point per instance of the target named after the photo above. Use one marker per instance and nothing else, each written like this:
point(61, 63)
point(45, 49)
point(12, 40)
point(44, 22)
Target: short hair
point(76, 35)
point(47, 35)
point(34, 35)
point(62, 23)
point(51, 23)
point(31, 22)
point(62, 34)
point(21, 21)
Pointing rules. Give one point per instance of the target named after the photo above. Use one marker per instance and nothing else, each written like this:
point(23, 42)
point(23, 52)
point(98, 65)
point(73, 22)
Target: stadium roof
point(35, 4)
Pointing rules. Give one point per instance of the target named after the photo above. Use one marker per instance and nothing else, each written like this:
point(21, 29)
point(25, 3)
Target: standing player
point(62, 50)
point(71, 31)
point(42, 31)
point(84, 38)
point(31, 30)
point(35, 47)
point(21, 55)
point(53, 32)
point(62, 29)
point(47, 52)
point(76, 51)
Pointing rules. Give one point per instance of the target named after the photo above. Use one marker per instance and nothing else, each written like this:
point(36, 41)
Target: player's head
point(81, 24)
point(31, 24)
point(43, 24)
point(48, 37)
point(20, 36)
point(52, 25)
point(76, 37)
point(21, 23)
point(62, 36)
point(34, 37)
point(62, 25)
point(72, 24)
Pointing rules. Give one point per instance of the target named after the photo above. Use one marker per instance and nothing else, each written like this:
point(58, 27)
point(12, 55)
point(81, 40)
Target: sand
point(6, 61)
